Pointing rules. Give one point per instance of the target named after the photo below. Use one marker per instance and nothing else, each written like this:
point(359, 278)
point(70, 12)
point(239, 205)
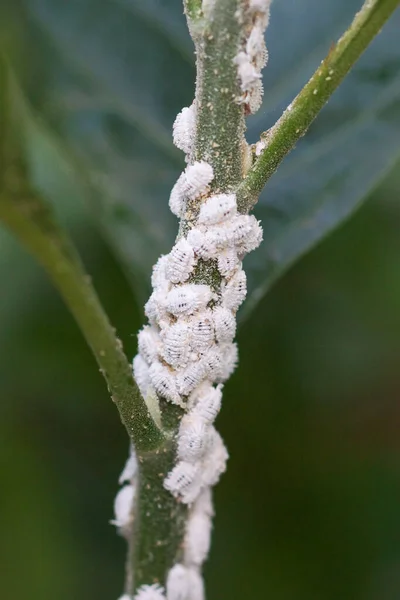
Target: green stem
point(297, 118)
point(25, 214)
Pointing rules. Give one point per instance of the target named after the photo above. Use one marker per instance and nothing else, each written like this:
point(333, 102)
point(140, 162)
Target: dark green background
point(309, 508)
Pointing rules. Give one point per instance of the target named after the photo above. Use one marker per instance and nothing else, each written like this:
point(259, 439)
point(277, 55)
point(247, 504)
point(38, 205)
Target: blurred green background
point(309, 508)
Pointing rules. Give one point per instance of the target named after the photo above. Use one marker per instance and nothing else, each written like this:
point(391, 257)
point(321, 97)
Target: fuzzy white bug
point(224, 324)
point(190, 378)
point(202, 243)
point(180, 262)
point(228, 262)
point(178, 583)
point(207, 402)
point(150, 592)
point(247, 72)
point(203, 504)
point(202, 331)
point(252, 239)
point(141, 375)
point(254, 98)
point(188, 298)
point(193, 438)
point(184, 129)
point(215, 463)
point(240, 227)
point(123, 505)
point(176, 347)
point(130, 468)
point(177, 198)
point(255, 46)
point(216, 209)
point(158, 276)
point(230, 357)
point(164, 383)
point(185, 481)
point(149, 344)
point(234, 292)
point(197, 538)
point(220, 236)
point(191, 184)
point(196, 585)
point(213, 363)
point(154, 309)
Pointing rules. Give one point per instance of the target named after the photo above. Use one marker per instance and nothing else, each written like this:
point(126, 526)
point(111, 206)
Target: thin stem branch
point(297, 118)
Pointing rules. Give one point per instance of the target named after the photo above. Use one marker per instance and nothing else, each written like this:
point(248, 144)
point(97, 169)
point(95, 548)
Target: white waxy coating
point(150, 592)
point(224, 323)
point(248, 74)
point(217, 208)
point(202, 331)
point(180, 262)
point(207, 404)
point(130, 468)
point(215, 463)
point(176, 347)
point(178, 583)
point(183, 477)
point(123, 505)
point(228, 262)
point(202, 244)
point(149, 344)
point(193, 438)
point(198, 538)
point(196, 585)
point(230, 360)
point(164, 383)
point(188, 298)
point(158, 277)
point(184, 129)
point(234, 292)
point(141, 374)
point(188, 379)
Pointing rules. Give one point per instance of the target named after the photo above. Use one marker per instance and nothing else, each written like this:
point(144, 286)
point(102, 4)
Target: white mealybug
point(184, 129)
point(252, 239)
point(149, 343)
point(202, 331)
point(164, 383)
point(180, 262)
point(123, 505)
point(224, 324)
point(190, 378)
point(158, 276)
point(176, 348)
point(154, 309)
point(240, 227)
point(230, 360)
point(150, 592)
point(228, 262)
point(202, 244)
point(255, 46)
point(178, 583)
point(198, 538)
point(198, 176)
point(208, 403)
point(213, 364)
point(203, 504)
point(247, 72)
point(188, 298)
point(215, 463)
point(196, 585)
point(177, 198)
point(130, 468)
point(254, 98)
point(193, 438)
point(184, 480)
point(220, 236)
point(234, 291)
point(141, 374)
point(217, 208)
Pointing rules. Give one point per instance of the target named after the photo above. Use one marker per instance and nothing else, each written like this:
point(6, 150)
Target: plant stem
point(26, 215)
point(297, 118)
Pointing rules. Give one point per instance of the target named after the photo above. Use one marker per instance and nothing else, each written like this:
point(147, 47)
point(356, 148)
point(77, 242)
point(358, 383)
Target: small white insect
point(178, 583)
point(164, 383)
point(197, 538)
point(188, 298)
point(158, 276)
point(240, 227)
point(202, 243)
point(203, 504)
point(234, 292)
point(248, 74)
point(254, 97)
point(180, 262)
point(230, 360)
point(185, 481)
point(176, 348)
point(191, 184)
point(177, 198)
point(255, 46)
point(154, 309)
point(190, 378)
point(123, 505)
point(213, 364)
point(216, 209)
point(196, 585)
point(202, 331)
point(208, 403)
point(224, 323)
point(130, 468)
point(228, 262)
point(141, 375)
point(193, 438)
point(184, 129)
point(252, 240)
point(215, 463)
point(150, 592)
point(220, 236)
point(149, 343)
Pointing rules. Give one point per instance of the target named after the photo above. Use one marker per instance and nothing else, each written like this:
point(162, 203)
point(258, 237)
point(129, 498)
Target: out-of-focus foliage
point(309, 507)
point(106, 79)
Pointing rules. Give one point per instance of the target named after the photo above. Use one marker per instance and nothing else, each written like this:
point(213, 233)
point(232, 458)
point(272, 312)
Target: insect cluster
point(253, 56)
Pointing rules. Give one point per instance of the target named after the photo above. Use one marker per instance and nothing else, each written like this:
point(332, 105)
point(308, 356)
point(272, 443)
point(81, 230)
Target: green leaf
point(107, 79)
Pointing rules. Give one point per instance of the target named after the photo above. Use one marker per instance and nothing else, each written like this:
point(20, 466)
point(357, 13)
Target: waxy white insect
point(164, 383)
point(240, 227)
point(130, 468)
point(180, 262)
point(178, 583)
point(193, 438)
point(202, 331)
point(247, 72)
point(188, 298)
point(149, 343)
point(213, 363)
point(196, 585)
point(141, 374)
point(185, 481)
point(230, 359)
point(228, 262)
point(203, 504)
point(254, 98)
point(207, 402)
point(248, 235)
point(234, 291)
point(176, 348)
point(184, 129)
point(150, 592)
point(197, 538)
point(202, 243)
point(224, 324)
point(215, 462)
point(255, 46)
point(123, 505)
point(158, 277)
point(154, 309)
point(190, 378)
point(191, 184)
point(217, 208)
